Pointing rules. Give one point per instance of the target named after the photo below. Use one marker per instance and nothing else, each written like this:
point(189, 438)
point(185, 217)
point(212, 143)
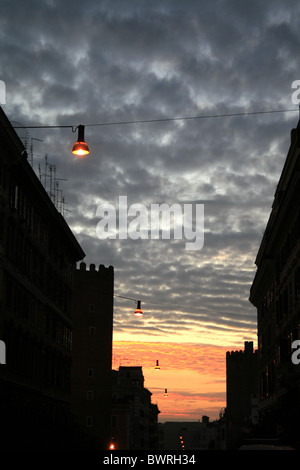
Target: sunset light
point(157, 281)
point(193, 374)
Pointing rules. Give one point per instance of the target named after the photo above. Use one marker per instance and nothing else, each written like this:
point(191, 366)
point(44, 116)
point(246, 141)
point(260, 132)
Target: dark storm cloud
point(100, 62)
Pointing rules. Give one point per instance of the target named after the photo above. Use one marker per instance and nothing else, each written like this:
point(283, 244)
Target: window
point(297, 284)
point(89, 421)
point(90, 395)
point(2, 174)
point(114, 421)
point(92, 330)
point(92, 308)
point(13, 195)
point(90, 372)
point(2, 226)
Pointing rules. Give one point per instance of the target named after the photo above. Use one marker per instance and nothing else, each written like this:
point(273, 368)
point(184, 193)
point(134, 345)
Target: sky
point(183, 102)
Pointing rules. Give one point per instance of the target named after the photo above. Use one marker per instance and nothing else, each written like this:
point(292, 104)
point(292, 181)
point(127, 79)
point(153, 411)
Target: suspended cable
point(185, 118)
point(183, 307)
point(145, 121)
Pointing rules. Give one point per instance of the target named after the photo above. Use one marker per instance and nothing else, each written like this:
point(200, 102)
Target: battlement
point(248, 351)
point(92, 268)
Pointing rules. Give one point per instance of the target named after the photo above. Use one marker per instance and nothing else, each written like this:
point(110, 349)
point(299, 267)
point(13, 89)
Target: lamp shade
point(138, 311)
point(80, 148)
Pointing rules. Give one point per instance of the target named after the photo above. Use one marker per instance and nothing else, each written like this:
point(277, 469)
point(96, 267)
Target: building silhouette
point(56, 324)
point(134, 418)
point(241, 394)
point(275, 292)
point(193, 435)
point(38, 255)
point(92, 315)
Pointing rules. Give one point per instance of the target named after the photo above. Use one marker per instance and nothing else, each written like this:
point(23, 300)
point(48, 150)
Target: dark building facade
point(92, 315)
point(193, 435)
point(275, 293)
point(38, 255)
point(241, 394)
point(134, 424)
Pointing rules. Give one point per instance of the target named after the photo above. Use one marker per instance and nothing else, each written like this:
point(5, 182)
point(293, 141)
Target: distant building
point(242, 392)
point(134, 418)
point(92, 315)
point(193, 435)
point(275, 293)
point(38, 255)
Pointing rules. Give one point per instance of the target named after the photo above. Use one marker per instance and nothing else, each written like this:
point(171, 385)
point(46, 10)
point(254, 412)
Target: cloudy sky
point(171, 94)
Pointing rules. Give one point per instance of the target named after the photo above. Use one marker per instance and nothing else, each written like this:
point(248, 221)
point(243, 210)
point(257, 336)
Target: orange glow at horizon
point(193, 374)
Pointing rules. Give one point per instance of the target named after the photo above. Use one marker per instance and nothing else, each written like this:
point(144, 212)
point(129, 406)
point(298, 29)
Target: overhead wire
point(182, 307)
point(153, 120)
point(180, 118)
point(185, 118)
point(167, 305)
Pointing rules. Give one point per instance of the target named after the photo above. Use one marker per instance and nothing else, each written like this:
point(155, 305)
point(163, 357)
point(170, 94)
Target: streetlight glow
point(80, 148)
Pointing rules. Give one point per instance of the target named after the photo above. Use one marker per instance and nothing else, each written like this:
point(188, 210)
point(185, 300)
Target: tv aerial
point(22, 132)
